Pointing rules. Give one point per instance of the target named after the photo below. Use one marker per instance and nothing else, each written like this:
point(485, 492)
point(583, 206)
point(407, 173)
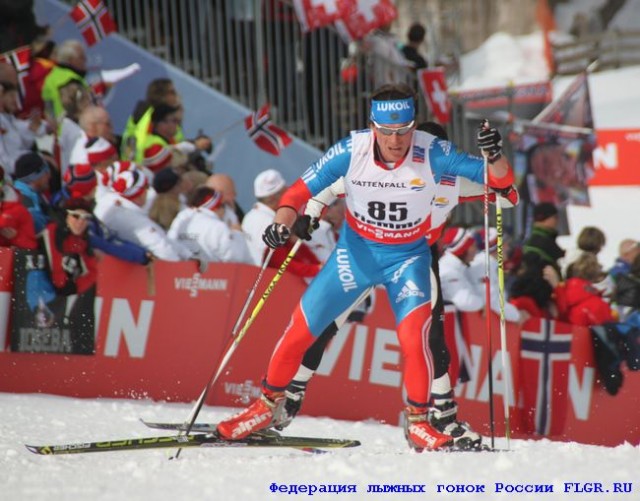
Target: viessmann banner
point(161, 330)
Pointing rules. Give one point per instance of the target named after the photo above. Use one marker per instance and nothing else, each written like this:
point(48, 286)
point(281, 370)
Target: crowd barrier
point(162, 329)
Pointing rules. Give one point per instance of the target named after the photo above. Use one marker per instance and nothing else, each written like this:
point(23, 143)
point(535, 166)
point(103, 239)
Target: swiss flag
point(434, 87)
point(93, 20)
point(268, 136)
point(358, 18)
point(20, 59)
point(313, 14)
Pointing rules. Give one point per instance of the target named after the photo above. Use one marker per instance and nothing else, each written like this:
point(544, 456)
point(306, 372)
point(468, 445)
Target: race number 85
point(394, 211)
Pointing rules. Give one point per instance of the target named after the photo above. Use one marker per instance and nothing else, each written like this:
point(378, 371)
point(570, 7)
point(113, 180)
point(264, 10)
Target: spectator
point(590, 239)
point(627, 291)
point(160, 147)
point(533, 286)
point(477, 270)
point(268, 188)
point(159, 91)
point(410, 51)
point(542, 240)
point(71, 259)
point(627, 252)
point(16, 223)
point(233, 213)
point(580, 303)
point(95, 122)
point(201, 229)
point(65, 85)
point(170, 188)
point(388, 63)
point(41, 64)
point(122, 212)
point(17, 137)
point(80, 182)
point(69, 131)
point(32, 176)
point(457, 282)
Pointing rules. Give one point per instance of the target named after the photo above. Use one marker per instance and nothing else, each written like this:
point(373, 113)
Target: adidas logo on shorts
point(410, 289)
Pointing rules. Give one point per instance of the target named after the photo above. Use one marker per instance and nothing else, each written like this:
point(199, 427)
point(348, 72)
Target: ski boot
point(443, 417)
point(420, 434)
point(294, 397)
point(261, 414)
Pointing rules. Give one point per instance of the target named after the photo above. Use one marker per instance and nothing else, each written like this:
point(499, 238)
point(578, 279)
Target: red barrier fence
point(161, 329)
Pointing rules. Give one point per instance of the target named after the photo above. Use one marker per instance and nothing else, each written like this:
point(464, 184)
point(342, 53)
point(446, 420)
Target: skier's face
point(393, 140)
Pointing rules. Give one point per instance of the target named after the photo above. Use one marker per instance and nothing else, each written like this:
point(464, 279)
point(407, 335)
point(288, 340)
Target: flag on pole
point(314, 14)
point(20, 59)
point(434, 87)
point(268, 136)
point(358, 18)
point(93, 20)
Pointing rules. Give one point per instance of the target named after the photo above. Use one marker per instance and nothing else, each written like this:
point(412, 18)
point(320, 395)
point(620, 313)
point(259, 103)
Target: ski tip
point(36, 449)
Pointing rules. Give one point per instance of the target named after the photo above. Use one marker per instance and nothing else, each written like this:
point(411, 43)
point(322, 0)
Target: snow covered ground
point(246, 475)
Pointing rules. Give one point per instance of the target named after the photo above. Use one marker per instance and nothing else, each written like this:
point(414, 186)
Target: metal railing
point(254, 52)
point(611, 49)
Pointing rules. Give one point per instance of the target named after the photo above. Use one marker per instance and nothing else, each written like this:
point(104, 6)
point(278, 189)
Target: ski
point(193, 440)
point(196, 428)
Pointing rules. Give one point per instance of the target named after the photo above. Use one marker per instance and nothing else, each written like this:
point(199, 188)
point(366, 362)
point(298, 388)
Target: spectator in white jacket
point(477, 269)
point(121, 210)
point(457, 282)
point(268, 188)
point(200, 228)
point(17, 137)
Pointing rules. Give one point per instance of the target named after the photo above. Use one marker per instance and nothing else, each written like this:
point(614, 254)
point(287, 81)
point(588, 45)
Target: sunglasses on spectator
point(85, 216)
point(389, 131)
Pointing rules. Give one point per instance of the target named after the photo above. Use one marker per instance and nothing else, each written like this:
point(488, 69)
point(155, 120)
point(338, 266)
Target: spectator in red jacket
point(16, 223)
point(72, 262)
point(579, 301)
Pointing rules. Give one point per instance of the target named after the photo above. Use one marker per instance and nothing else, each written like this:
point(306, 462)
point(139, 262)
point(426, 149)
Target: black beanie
point(30, 167)
point(165, 180)
point(544, 211)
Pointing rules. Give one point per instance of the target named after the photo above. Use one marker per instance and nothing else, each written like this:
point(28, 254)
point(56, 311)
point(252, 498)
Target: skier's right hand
point(305, 226)
point(276, 235)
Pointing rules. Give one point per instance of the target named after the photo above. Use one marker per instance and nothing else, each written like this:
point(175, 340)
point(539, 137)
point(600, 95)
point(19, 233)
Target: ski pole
point(252, 293)
point(487, 283)
point(503, 326)
point(236, 339)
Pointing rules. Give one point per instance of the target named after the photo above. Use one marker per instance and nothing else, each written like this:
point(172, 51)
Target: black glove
point(305, 226)
point(489, 141)
point(276, 235)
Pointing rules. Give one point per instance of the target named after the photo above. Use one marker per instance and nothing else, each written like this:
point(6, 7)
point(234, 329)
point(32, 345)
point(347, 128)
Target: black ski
point(194, 440)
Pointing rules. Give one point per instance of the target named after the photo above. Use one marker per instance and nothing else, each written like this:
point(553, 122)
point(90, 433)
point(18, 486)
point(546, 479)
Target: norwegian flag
point(268, 136)
point(20, 59)
point(358, 18)
point(314, 14)
point(93, 20)
point(434, 87)
point(545, 351)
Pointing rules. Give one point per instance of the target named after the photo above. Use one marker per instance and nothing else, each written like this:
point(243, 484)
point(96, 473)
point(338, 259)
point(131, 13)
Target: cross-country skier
point(390, 174)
